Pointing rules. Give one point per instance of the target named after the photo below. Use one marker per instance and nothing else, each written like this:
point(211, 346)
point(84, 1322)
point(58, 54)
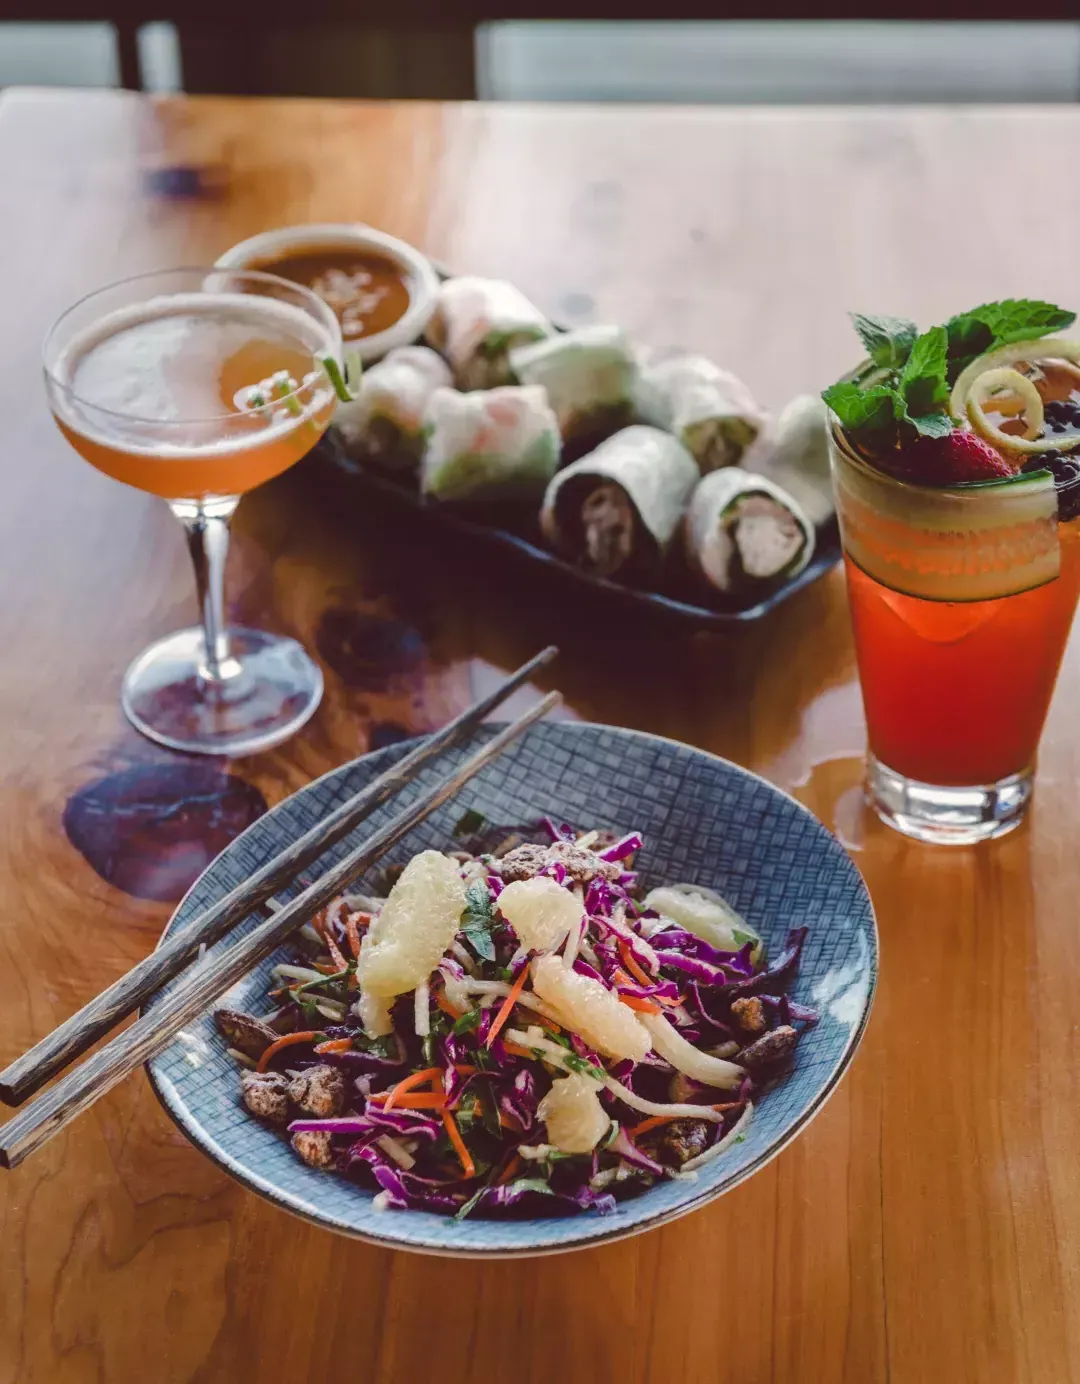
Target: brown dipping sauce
point(366, 291)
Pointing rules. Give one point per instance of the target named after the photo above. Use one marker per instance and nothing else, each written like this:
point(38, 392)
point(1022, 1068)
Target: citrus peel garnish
point(1010, 393)
point(966, 400)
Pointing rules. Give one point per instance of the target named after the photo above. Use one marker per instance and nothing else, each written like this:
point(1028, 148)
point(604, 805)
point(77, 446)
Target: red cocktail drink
point(962, 554)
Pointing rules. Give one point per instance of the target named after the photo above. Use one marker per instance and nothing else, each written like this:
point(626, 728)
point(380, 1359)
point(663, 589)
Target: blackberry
point(1066, 472)
point(1062, 414)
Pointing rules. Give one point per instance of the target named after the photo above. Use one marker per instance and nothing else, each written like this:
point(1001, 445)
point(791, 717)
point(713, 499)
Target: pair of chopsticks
point(38, 1122)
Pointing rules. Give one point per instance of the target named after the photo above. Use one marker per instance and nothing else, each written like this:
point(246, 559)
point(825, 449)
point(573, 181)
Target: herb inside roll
point(709, 410)
point(384, 424)
point(491, 444)
point(477, 322)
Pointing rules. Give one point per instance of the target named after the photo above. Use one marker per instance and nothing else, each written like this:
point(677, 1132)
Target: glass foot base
point(946, 815)
point(270, 688)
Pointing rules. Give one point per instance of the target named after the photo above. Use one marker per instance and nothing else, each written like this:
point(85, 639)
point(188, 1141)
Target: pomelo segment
point(575, 1119)
point(540, 911)
point(590, 1009)
point(416, 924)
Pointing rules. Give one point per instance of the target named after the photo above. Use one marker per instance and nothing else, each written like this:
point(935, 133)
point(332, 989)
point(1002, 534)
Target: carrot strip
point(308, 1035)
point(510, 1171)
point(516, 1050)
point(450, 1124)
point(324, 968)
point(632, 965)
point(445, 1005)
point(412, 1100)
point(653, 1122)
point(335, 1045)
point(643, 1006)
point(464, 1069)
point(545, 1022)
point(506, 1006)
point(409, 1083)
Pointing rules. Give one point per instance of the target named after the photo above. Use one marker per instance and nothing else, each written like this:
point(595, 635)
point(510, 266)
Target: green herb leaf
point(479, 938)
point(469, 823)
point(464, 1210)
point(530, 1184)
point(573, 1063)
point(427, 1047)
point(867, 413)
point(922, 380)
point(888, 340)
point(468, 1021)
point(477, 919)
point(997, 324)
point(933, 424)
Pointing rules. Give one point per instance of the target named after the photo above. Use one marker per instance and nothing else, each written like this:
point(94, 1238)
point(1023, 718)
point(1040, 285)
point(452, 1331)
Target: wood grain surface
point(927, 1226)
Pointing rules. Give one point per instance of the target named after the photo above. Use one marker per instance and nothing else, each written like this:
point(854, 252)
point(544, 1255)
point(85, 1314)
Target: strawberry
point(958, 458)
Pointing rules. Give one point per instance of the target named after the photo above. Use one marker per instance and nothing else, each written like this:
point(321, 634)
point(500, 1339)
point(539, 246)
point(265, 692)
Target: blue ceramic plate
point(704, 820)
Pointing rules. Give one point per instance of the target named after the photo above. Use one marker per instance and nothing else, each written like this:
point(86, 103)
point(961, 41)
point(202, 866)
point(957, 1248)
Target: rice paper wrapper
point(590, 375)
point(708, 409)
point(475, 325)
point(654, 471)
point(384, 424)
point(498, 443)
point(796, 456)
point(744, 530)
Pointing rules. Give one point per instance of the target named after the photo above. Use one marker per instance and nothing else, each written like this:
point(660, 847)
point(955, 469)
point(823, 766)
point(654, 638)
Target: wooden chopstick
point(30, 1071)
point(55, 1108)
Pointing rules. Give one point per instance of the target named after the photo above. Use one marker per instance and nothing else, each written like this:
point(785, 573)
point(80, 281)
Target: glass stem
point(206, 523)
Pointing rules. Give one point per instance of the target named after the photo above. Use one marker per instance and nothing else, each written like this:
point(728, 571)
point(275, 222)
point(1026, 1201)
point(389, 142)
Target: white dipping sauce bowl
point(423, 283)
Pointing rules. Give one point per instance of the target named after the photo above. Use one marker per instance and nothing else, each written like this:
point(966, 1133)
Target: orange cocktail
point(198, 385)
point(959, 505)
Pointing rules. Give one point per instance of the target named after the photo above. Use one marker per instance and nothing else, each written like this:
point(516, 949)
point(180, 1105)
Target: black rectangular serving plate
point(512, 529)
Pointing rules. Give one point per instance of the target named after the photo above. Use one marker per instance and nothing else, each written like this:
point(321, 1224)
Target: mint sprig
point(907, 395)
point(991, 325)
point(923, 391)
point(888, 340)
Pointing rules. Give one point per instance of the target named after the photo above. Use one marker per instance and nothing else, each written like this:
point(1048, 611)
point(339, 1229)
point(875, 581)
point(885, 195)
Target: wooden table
point(927, 1226)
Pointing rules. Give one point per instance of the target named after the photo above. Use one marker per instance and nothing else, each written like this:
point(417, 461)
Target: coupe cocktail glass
point(198, 385)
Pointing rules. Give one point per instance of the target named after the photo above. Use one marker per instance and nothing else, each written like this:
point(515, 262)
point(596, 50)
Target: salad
point(516, 1027)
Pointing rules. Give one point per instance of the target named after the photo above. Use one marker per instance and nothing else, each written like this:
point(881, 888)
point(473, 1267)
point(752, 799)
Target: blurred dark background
point(413, 51)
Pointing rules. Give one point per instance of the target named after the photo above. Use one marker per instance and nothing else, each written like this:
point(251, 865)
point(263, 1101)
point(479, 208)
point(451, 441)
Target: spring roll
point(617, 509)
point(797, 456)
point(590, 376)
point(744, 530)
point(384, 424)
point(476, 324)
point(491, 444)
point(709, 410)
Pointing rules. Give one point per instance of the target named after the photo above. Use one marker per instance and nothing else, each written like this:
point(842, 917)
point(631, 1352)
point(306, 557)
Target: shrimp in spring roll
point(384, 424)
point(744, 530)
point(491, 444)
point(617, 509)
point(590, 375)
point(709, 410)
point(477, 322)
